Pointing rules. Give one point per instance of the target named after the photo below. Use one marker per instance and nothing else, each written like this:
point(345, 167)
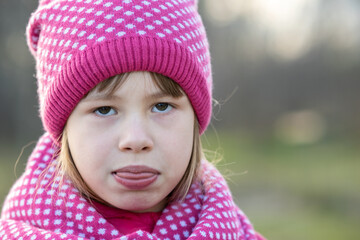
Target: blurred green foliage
point(288, 191)
point(293, 191)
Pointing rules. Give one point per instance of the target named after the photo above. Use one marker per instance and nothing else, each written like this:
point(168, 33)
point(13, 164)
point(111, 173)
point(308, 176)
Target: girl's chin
point(133, 207)
point(147, 208)
point(142, 209)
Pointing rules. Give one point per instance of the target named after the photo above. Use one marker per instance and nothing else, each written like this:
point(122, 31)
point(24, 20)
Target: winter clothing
point(79, 43)
point(38, 208)
point(76, 45)
point(127, 222)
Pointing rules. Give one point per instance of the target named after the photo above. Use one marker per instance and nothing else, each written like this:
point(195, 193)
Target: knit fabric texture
point(79, 43)
point(37, 207)
point(125, 221)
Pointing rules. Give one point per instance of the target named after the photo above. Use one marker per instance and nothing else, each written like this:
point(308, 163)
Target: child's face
point(132, 148)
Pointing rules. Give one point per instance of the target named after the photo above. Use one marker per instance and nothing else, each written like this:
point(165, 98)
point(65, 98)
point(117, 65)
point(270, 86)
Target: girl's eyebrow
point(103, 96)
point(157, 95)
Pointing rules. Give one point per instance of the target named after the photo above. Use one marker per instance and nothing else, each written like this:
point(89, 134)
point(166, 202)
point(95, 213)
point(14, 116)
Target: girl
point(125, 92)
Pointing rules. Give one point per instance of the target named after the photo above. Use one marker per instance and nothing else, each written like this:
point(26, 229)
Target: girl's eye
point(162, 108)
point(105, 111)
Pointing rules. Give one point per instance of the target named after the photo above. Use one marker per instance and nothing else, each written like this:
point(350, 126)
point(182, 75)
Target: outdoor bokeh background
point(286, 79)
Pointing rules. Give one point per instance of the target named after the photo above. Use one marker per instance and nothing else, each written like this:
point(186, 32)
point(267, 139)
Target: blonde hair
point(66, 165)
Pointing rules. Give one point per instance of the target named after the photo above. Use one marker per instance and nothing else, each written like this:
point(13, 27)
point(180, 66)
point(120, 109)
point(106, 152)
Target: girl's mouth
point(135, 177)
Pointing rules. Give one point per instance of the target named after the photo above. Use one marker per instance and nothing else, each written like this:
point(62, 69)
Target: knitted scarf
point(37, 207)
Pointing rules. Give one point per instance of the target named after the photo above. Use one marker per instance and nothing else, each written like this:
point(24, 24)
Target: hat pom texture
point(79, 43)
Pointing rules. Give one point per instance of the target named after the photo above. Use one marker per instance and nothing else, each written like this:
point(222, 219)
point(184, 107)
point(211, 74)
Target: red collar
point(125, 221)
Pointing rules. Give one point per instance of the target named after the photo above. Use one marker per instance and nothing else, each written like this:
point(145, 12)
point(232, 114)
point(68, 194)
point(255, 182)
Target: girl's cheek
point(96, 126)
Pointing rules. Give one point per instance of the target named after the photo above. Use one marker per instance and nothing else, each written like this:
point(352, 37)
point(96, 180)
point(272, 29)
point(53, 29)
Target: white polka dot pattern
point(78, 43)
point(37, 207)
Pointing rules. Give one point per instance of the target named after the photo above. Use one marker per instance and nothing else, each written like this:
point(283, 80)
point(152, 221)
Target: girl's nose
point(135, 138)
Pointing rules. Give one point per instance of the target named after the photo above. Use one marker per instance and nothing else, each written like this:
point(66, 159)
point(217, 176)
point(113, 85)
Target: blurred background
point(286, 123)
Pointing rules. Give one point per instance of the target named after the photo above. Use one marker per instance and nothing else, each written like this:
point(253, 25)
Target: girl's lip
point(136, 177)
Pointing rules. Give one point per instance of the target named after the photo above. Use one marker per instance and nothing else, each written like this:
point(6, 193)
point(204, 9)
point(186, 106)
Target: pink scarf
point(36, 209)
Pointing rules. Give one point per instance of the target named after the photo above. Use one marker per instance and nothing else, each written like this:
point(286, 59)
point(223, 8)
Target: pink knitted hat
point(79, 43)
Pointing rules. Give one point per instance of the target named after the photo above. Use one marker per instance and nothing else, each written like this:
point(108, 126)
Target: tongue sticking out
point(135, 180)
point(132, 175)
